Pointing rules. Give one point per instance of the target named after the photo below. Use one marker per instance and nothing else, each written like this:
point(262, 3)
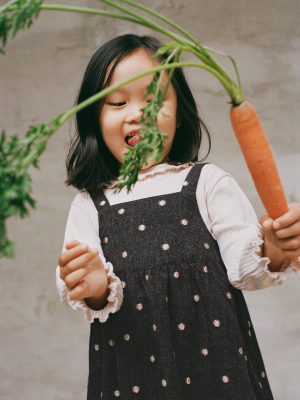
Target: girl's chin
point(151, 163)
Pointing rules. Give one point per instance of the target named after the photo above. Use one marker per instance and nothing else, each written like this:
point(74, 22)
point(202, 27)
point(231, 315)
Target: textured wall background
point(43, 343)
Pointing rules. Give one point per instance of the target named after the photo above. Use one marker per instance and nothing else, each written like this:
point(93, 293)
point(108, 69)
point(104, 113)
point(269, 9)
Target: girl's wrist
point(274, 253)
point(99, 301)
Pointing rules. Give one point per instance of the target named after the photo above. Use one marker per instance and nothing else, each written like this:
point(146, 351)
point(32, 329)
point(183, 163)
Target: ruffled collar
point(154, 170)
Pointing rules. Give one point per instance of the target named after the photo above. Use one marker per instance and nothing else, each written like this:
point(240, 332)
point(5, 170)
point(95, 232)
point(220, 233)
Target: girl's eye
point(120, 104)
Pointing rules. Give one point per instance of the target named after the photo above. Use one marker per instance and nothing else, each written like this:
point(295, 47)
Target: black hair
point(89, 162)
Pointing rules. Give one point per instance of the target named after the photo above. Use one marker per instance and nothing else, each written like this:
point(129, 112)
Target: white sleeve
point(82, 225)
point(230, 218)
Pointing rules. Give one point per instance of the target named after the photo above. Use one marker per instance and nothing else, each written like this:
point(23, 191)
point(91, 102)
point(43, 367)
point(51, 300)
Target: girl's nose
point(134, 117)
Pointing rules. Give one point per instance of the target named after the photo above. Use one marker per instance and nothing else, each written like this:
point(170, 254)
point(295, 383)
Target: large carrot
point(259, 158)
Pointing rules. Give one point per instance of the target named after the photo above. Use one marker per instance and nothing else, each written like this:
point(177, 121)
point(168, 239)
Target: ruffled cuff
point(251, 271)
point(115, 297)
point(287, 267)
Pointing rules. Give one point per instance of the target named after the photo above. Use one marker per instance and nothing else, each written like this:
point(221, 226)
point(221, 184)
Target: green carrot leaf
point(16, 156)
point(17, 15)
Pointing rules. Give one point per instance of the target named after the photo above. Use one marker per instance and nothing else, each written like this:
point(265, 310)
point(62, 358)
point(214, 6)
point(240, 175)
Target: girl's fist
point(283, 234)
point(84, 274)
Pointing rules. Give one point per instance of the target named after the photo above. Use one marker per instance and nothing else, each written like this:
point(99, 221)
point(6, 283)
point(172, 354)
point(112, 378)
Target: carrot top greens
point(17, 155)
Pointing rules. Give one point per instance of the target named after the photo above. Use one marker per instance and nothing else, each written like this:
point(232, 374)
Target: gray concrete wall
point(44, 344)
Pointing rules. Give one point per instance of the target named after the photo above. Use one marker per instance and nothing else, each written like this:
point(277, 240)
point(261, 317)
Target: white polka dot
point(141, 228)
point(263, 374)
point(139, 306)
point(205, 269)
point(206, 245)
point(188, 381)
point(124, 254)
point(146, 277)
point(185, 183)
point(217, 323)
point(127, 337)
point(225, 379)
point(152, 359)
point(102, 203)
point(121, 211)
point(96, 347)
point(164, 383)
point(260, 384)
point(196, 298)
point(184, 222)
point(249, 333)
point(154, 327)
point(106, 240)
point(167, 299)
point(176, 274)
point(165, 246)
point(249, 323)
point(181, 327)
point(229, 295)
point(111, 343)
point(117, 393)
point(241, 350)
point(162, 202)
point(135, 389)
point(204, 352)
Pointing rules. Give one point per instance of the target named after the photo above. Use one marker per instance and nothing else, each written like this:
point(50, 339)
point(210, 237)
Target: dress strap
point(99, 199)
point(191, 181)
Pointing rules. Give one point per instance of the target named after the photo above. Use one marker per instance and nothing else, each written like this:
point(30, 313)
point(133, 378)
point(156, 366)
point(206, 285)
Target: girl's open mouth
point(133, 139)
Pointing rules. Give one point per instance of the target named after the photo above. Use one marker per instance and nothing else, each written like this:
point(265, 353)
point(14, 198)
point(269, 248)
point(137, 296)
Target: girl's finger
point(74, 252)
point(293, 254)
point(288, 218)
point(80, 291)
point(290, 243)
point(266, 222)
point(79, 262)
point(75, 277)
point(292, 230)
point(72, 244)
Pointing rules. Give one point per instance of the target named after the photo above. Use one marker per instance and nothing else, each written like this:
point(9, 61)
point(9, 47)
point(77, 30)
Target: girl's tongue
point(132, 141)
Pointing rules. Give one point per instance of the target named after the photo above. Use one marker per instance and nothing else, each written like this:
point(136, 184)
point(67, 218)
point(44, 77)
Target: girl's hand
point(84, 274)
point(282, 237)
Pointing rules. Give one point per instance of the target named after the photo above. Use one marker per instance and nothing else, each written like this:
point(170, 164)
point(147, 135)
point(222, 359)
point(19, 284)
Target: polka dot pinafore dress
point(183, 331)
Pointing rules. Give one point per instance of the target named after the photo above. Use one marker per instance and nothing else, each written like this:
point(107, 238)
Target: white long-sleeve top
point(225, 210)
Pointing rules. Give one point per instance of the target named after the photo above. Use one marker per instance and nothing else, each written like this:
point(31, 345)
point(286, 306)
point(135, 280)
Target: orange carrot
point(259, 158)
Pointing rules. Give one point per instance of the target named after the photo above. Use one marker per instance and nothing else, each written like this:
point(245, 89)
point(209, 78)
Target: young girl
point(159, 271)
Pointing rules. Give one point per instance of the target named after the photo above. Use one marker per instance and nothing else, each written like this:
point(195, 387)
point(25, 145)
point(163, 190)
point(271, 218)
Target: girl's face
point(121, 114)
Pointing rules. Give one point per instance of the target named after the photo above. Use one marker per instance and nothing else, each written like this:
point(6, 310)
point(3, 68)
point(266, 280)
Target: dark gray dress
point(183, 331)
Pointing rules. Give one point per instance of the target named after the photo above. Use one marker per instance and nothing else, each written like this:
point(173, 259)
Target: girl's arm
point(282, 237)
point(232, 221)
point(89, 264)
